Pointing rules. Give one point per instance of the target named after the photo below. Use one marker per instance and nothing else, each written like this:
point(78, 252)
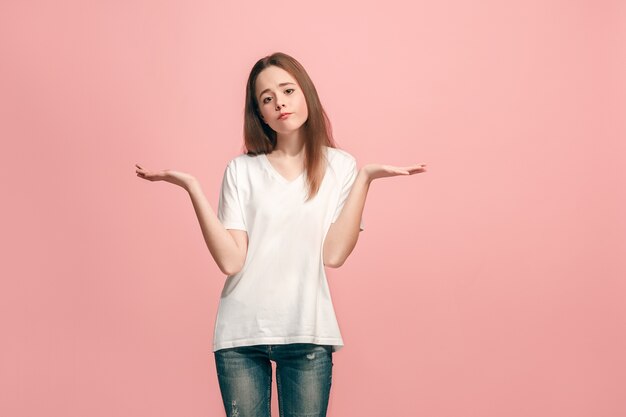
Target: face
point(278, 92)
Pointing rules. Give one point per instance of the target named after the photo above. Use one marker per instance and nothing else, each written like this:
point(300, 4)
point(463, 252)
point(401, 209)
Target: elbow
point(227, 271)
point(337, 257)
point(231, 268)
point(336, 265)
point(334, 262)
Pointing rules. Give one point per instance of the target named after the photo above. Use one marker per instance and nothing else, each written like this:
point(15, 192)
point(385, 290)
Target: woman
point(288, 207)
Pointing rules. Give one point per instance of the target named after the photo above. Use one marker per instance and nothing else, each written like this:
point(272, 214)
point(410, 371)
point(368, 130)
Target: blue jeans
point(303, 378)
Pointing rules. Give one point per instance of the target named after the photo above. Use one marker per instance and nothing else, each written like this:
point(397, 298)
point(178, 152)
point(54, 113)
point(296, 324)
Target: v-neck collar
point(277, 174)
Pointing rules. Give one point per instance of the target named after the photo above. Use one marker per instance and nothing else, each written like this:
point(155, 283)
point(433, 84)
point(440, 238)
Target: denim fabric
point(303, 379)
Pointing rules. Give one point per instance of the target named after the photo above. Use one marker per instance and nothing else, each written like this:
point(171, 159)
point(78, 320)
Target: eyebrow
point(280, 85)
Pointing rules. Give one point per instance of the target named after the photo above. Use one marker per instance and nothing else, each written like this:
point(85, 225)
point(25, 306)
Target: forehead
point(271, 77)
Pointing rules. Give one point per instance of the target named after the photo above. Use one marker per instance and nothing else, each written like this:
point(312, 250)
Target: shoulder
point(340, 158)
point(241, 162)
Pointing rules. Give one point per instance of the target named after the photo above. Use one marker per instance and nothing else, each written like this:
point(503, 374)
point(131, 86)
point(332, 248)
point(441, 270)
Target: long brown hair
point(259, 138)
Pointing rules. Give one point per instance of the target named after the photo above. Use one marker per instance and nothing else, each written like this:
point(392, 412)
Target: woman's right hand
point(181, 179)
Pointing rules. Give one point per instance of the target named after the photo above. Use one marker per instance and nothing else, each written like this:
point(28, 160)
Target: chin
point(287, 131)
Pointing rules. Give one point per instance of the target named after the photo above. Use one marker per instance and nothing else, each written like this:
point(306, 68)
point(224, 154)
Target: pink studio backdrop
point(491, 285)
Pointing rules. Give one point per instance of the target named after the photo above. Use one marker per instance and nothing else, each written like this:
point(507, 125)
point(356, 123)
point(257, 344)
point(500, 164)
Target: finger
point(409, 167)
point(417, 166)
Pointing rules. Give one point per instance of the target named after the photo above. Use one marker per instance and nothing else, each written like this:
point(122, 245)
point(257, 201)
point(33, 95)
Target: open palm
point(380, 170)
point(182, 179)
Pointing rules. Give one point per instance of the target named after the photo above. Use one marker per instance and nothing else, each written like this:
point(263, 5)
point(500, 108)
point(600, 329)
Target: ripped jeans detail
point(303, 379)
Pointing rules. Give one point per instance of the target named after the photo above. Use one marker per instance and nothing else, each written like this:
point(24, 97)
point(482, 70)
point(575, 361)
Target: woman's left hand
point(374, 171)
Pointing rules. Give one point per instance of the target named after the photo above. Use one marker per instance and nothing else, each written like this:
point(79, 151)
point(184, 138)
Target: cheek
point(263, 113)
point(302, 105)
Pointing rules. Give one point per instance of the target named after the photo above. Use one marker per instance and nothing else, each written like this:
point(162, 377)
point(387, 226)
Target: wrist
point(191, 185)
point(364, 176)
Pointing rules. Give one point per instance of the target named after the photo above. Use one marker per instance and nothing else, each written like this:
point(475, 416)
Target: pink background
point(491, 285)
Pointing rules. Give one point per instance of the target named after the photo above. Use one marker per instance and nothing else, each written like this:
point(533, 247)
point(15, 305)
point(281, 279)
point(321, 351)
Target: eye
point(265, 99)
point(290, 89)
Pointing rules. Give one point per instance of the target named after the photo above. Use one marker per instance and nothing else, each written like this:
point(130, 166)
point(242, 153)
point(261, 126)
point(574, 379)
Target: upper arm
point(346, 182)
point(241, 240)
point(231, 214)
point(229, 208)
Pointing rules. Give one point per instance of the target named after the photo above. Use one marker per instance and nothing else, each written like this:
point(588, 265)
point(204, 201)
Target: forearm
point(344, 233)
point(220, 242)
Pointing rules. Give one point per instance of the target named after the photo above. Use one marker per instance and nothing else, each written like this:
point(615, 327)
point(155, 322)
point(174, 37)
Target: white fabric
point(281, 295)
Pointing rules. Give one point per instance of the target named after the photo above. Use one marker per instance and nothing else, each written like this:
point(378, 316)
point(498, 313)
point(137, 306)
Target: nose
point(279, 105)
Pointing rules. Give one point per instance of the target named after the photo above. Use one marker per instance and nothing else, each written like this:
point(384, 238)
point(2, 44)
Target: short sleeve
point(229, 210)
point(348, 180)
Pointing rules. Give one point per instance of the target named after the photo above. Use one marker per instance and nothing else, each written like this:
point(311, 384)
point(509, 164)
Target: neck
point(290, 144)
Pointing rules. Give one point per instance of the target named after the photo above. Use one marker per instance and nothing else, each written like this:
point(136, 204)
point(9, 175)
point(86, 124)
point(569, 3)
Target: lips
point(283, 116)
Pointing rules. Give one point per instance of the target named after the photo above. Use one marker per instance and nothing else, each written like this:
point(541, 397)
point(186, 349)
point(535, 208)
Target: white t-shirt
point(281, 294)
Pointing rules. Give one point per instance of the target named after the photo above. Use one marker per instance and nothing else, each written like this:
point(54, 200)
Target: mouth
point(283, 116)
